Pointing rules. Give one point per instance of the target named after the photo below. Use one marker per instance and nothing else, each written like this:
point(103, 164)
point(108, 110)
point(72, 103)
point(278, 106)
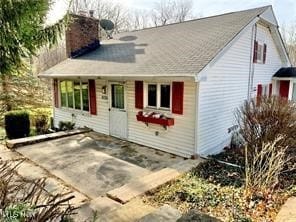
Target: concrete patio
point(95, 164)
point(106, 174)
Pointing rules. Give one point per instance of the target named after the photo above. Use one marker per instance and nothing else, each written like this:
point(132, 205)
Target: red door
point(284, 88)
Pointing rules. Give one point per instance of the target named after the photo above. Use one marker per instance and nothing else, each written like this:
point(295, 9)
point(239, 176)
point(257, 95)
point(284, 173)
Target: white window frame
point(158, 95)
point(81, 98)
point(260, 55)
point(265, 90)
point(293, 88)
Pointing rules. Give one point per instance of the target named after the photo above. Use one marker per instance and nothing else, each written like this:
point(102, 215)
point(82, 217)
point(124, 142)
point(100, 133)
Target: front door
point(118, 114)
point(284, 88)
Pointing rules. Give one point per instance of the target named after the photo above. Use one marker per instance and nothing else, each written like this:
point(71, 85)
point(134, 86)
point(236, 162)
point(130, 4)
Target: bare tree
point(289, 37)
point(139, 19)
point(170, 11)
point(104, 9)
point(163, 12)
point(183, 10)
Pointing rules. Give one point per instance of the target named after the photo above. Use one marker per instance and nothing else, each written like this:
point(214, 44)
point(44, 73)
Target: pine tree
point(23, 32)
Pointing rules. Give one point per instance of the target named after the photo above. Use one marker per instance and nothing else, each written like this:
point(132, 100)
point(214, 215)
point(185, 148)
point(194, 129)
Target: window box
point(150, 118)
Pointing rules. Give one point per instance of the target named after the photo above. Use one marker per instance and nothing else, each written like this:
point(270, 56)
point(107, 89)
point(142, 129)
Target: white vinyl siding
point(178, 139)
point(99, 122)
point(226, 87)
point(264, 72)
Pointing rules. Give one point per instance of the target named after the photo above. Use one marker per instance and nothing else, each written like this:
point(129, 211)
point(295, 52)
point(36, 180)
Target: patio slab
point(78, 161)
point(139, 155)
point(29, 170)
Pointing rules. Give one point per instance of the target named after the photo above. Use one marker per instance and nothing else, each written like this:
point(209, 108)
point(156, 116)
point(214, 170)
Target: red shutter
point(177, 97)
point(255, 51)
point(92, 96)
point(270, 89)
point(139, 95)
point(56, 93)
point(264, 53)
point(259, 93)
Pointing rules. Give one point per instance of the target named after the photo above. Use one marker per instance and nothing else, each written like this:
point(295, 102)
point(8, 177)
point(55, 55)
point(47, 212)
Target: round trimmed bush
point(17, 124)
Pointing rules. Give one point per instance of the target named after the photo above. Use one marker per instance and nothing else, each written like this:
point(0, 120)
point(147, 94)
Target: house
point(175, 87)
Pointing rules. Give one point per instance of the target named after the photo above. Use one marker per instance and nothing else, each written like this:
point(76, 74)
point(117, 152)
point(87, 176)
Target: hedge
point(17, 124)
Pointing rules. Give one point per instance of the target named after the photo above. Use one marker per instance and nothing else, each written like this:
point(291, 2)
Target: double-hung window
point(159, 95)
point(260, 53)
point(260, 49)
point(74, 95)
point(152, 95)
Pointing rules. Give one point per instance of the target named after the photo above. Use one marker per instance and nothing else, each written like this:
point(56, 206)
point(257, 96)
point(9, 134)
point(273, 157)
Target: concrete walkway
point(28, 169)
point(288, 211)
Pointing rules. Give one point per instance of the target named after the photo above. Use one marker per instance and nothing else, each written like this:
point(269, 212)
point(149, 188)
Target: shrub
point(27, 200)
point(17, 124)
point(262, 123)
point(35, 113)
point(268, 130)
point(41, 124)
point(263, 170)
point(66, 125)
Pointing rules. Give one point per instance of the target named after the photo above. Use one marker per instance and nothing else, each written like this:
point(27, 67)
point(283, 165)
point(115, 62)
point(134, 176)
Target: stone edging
point(12, 144)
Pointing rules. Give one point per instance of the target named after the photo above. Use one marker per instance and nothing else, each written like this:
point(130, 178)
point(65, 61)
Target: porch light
point(104, 89)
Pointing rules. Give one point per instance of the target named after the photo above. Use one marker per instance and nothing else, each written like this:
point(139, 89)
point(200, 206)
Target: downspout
point(251, 65)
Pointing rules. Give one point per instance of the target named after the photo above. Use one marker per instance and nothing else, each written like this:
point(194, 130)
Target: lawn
point(218, 190)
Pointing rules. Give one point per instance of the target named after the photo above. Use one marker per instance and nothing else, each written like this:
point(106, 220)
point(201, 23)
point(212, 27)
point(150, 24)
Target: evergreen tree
point(23, 31)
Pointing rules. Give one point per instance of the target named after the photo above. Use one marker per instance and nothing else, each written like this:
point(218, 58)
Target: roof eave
point(132, 76)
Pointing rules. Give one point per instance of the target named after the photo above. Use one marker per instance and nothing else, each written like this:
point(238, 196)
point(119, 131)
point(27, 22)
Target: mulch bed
point(217, 189)
point(236, 156)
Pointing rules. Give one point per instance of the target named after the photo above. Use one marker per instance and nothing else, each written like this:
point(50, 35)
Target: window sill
point(163, 110)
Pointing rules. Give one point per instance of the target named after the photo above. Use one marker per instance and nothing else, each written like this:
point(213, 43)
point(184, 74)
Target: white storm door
point(118, 114)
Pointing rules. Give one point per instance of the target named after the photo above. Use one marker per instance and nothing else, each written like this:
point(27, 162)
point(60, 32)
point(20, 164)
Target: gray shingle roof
point(181, 49)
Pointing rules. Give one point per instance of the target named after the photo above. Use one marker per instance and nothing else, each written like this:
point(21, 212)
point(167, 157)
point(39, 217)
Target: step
point(140, 186)
point(130, 212)
point(288, 211)
point(151, 181)
point(11, 144)
point(166, 213)
point(99, 206)
point(196, 216)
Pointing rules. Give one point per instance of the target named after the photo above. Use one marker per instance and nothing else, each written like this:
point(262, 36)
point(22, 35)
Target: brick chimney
point(82, 35)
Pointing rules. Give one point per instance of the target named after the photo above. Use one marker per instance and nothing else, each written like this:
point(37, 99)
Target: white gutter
point(251, 64)
point(101, 76)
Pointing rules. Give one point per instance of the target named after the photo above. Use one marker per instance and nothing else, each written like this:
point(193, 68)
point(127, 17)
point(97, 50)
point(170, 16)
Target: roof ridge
point(193, 20)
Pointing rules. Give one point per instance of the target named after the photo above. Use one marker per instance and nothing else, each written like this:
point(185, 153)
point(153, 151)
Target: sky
point(285, 10)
